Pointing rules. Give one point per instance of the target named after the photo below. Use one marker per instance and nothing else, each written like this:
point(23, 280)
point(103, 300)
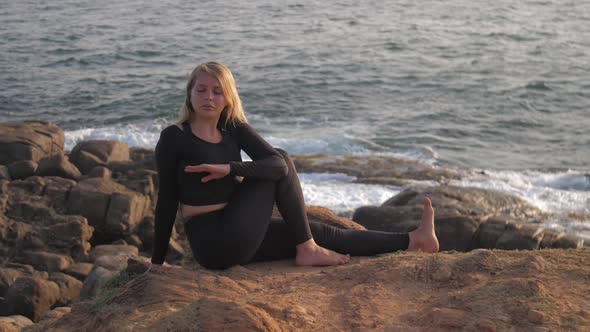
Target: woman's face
point(207, 97)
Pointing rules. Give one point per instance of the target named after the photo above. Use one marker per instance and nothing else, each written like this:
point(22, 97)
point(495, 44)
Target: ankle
point(306, 246)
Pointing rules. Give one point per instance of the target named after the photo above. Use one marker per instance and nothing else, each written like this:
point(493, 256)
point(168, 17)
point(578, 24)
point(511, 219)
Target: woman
point(227, 219)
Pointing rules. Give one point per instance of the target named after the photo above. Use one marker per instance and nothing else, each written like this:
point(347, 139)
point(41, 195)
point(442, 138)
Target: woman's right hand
point(216, 171)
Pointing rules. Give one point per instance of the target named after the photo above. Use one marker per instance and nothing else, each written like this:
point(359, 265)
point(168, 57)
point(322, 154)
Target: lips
point(207, 107)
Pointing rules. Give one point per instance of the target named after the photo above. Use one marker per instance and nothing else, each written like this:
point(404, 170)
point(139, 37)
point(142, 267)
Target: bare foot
point(311, 254)
point(424, 238)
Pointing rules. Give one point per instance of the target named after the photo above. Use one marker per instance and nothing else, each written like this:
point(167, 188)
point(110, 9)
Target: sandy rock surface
point(483, 290)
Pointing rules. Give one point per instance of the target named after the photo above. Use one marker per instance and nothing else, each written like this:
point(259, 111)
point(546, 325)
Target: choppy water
point(502, 86)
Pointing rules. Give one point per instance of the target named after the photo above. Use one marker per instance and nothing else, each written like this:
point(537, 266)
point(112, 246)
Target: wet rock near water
point(373, 169)
point(468, 218)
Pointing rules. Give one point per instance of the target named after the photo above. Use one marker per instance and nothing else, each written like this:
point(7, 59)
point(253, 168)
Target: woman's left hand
point(216, 171)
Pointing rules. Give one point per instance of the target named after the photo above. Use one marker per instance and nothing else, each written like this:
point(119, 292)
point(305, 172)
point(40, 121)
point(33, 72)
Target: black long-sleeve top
point(178, 148)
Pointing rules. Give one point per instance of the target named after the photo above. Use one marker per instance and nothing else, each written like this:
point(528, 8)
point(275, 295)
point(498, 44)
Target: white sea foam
point(564, 194)
point(139, 135)
point(340, 193)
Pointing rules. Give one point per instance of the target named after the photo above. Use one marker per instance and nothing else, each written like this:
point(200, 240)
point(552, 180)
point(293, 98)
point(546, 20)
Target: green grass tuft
point(109, 290)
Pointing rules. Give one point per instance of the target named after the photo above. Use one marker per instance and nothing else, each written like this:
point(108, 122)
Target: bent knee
point(283, 153)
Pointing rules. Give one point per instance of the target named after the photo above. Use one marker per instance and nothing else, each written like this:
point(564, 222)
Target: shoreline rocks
point(69, 221)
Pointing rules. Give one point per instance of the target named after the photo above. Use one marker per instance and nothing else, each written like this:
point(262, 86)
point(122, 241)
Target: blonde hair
point(233, 112)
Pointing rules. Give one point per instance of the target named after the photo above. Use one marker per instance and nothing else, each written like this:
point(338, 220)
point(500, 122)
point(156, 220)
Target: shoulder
point(174, 130)
point(239, 128)
point(170, 135)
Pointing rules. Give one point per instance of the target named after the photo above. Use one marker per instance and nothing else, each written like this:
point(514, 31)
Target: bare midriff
point(193, 210)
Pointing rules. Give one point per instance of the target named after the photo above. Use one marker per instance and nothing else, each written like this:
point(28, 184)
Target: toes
point(427, 202)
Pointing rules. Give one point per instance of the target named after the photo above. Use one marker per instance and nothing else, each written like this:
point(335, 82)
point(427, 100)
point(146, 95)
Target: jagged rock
point(14, 323)
point(100, 172)
point(58, 165)
point(22, 169)
point(45, 261)
point(113, 250)
point(79, 270)
point(33, 185)
point(29, 140)
point(557, 239)
point(56, 192)
point(4, 173)
point(69, 288)
point(111, 208)
point(105, 151)
point(96, 279)
point(125, 212)
point(30, 297)
point(86, 162)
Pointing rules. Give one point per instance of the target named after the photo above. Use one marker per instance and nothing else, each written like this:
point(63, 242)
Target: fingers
point(197, 168)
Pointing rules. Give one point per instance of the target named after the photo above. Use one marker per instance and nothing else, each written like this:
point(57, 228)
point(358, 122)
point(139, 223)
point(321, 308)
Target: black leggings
point(244, 231)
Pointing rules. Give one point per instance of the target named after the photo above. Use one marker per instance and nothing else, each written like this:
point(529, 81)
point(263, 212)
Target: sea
point(500, 88)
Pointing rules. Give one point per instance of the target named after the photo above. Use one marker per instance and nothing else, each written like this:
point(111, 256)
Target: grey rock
point(96, 279)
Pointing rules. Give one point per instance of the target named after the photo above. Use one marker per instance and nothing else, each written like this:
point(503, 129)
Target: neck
point(204, 126)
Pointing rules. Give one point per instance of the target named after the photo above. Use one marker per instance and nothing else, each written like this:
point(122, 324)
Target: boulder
point(14, 323)
point(112, 262)
point(44, 261)
point(105, 151)
point(56, 192)
point(29, 140)
point(96, 279)
point(100, 172)
point(30, 297)
point(112, 250)
point(112, 209)
point(80, 270)
point(466, 218)
point(58, 165)
point(22, 169)
point(69, 288)
point(467, 201)
point(521, 237)
point(86, 162)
